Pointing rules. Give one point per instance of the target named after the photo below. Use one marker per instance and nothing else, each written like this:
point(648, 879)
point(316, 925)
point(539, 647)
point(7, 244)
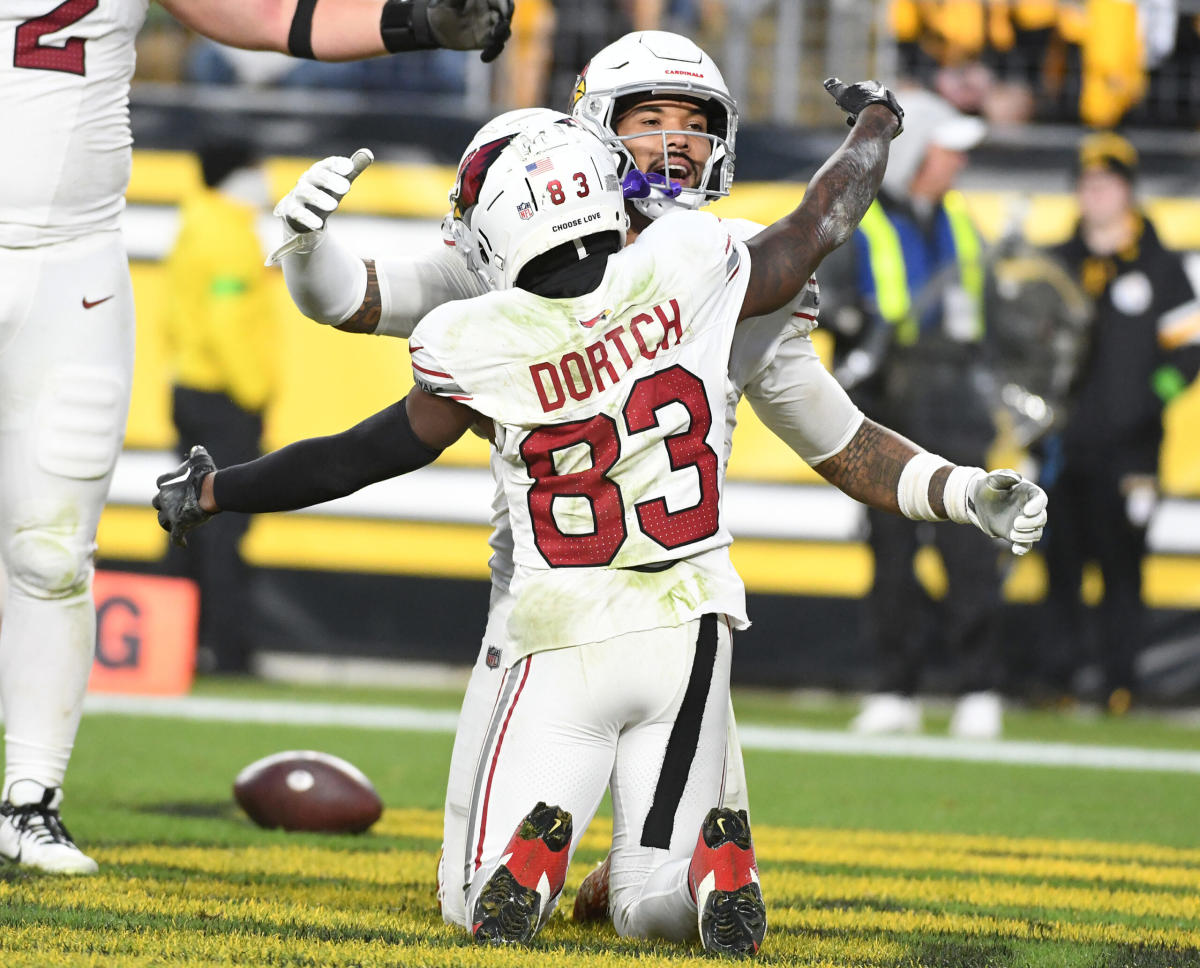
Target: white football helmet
point(655, 62)
point(529, 181)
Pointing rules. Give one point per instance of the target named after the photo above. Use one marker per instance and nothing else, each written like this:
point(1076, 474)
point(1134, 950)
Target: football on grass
point(306, 790)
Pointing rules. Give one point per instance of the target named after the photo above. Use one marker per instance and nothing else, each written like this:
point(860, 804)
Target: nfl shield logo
point(525, 210)
point(493, 657)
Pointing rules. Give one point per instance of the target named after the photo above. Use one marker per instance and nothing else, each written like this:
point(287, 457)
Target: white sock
point(46, 651)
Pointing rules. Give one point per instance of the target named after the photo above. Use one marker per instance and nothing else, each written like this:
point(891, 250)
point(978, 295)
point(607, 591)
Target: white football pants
point(644, 713)
point(66, 369)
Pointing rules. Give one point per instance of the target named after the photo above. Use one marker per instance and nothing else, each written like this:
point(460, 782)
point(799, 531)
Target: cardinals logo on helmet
point(580, 84)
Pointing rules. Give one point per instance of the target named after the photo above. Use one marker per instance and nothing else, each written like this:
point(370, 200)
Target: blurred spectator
point(1095, 61)
point(223, 338)
point(525, 66)
point(1173, 97)
point(1113, 62)
point(1101, 468)
point(582, 27)
point(905, 300)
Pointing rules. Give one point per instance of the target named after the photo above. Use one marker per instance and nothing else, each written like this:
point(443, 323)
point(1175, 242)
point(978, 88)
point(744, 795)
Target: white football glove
point(307, 207)
point(1005, 505)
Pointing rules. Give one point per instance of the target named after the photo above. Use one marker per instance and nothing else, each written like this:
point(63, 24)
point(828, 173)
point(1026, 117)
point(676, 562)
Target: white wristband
point(912, 491)
point(958, 488)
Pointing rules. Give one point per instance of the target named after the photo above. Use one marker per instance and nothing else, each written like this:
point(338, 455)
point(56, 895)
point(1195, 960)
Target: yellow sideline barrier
point(330, 380)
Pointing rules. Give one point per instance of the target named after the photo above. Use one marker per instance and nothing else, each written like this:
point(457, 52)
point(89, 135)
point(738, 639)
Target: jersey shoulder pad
point(433, 363)
point(697, 245)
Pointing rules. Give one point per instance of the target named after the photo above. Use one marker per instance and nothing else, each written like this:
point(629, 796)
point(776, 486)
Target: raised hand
point(855, 98)
point(471, 24)
point(316, 196)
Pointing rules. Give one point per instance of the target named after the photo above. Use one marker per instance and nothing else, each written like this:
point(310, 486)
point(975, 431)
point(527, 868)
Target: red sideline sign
point(145, 634)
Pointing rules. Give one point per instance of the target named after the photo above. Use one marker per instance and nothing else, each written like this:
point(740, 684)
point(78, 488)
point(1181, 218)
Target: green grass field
point(865, 860)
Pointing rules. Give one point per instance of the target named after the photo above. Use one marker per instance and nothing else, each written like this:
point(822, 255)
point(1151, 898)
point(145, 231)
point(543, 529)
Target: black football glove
point(855, 98)
point(178, 497)
point(470, 24)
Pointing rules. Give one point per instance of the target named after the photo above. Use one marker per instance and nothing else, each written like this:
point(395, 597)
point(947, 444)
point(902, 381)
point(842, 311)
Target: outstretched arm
point(868, 468)
point(402, 438)
point(784, 255)
point(884, 470)
point(339, 30)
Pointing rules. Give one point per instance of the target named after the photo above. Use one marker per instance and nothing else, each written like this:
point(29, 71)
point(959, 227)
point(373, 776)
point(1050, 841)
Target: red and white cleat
point(724, 881)
point(591, 903)
point(517, 898)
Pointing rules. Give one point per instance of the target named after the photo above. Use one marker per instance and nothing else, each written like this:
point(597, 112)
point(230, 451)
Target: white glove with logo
point(1005, 505)
point(307, 207)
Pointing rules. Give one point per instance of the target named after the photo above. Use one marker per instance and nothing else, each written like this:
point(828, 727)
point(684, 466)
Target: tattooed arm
point(886, 471)
point(784, 255)
point(366, 317)
point(869, 467)
point(332, 285)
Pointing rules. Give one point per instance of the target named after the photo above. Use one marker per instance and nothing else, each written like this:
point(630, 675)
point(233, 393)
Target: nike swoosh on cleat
point(91, 305)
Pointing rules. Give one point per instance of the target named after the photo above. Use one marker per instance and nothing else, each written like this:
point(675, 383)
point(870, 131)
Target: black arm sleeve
point(320, 469)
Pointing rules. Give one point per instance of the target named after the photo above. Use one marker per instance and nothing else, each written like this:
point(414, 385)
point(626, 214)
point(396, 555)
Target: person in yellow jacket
point(222, 337)
point(905, 303)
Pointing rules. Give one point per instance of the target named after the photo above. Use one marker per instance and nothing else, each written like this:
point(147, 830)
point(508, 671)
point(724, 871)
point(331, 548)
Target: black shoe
point(724, 880)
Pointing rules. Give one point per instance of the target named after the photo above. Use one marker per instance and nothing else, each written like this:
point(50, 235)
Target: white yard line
point(754, 737)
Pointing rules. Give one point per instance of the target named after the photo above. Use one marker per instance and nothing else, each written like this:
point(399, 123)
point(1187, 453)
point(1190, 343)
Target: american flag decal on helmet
point(539, 166)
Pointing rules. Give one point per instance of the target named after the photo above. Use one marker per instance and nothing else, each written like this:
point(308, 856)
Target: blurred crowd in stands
point(1099, 62)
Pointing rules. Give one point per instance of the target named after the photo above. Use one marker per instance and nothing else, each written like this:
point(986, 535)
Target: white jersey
point(772, 362)
point(64, 112)
point(610, 413)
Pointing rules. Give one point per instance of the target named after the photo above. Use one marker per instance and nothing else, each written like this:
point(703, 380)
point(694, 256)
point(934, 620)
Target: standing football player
point(66, 328)
point(662, 105)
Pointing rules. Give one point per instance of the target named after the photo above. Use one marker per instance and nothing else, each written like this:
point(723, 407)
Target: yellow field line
point(984, 843)
point(331, 873)
point(944, 922)
point(976, 864)
point(784, 887)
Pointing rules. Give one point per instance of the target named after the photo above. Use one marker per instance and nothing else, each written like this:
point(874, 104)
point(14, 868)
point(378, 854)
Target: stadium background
point(400, 570)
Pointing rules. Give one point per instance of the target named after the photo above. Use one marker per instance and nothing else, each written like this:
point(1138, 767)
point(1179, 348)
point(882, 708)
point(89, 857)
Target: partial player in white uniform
point(662, 104)
point(66, 328)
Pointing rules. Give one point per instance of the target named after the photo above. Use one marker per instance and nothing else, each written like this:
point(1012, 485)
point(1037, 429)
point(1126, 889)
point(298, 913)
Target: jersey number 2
point(671, 529)
point(29, 50)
